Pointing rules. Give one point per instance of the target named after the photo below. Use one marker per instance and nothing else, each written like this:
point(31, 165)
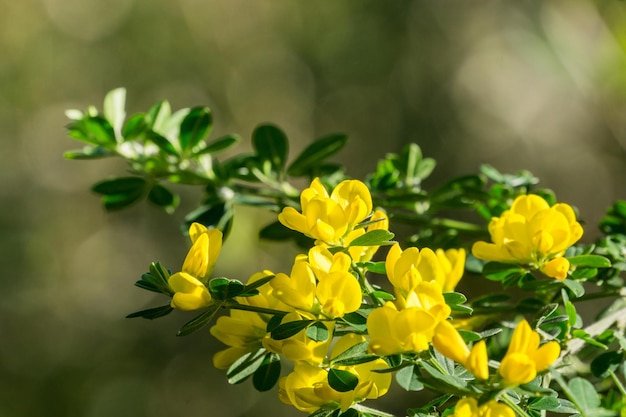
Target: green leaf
point(454, 298)
point(351, 412)
point(156, 280)
point(342, 381)
point(591, 261)
point(315, 153)
point(585, 394)
point(135, 126)
point(291, 328)
point(245, 366)
point(163, 197)
point(318, 332)
point(576, 287)
point(195, 127)
point(496, 271)
point(450, 381)
point(220, 144)
point(374, 267)
point(377, 237)
point(95, 130)
point(270, 144)
point(354, 355)
point(355, 320)
point(162, 143)
point(114, 110)
point(219, 215)
point(225, 288)
point(605, 362)
point(120, 192)
point(267, 374)
point(408, 378)
point(544, 403)
point(200, 321)
point(469, 336)
point(152, 313)
point(88, 152)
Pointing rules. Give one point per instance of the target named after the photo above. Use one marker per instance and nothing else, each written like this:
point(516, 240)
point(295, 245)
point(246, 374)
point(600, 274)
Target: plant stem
point(372, 411)
point(618, 383)
point(508, 401)
point(244, 307)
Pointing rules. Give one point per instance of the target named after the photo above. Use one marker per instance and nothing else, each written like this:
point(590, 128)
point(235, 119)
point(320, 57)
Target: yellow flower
point(244, 331)
point(322, 286)
point(449, 343)
point(406, 269)
point(205, 249)
point(468, 407)
point(189, 292)
point(307, 388)
point(329, 218)
point(453, 263)
point(525, 358)
point(531, 232)
point(410, 325)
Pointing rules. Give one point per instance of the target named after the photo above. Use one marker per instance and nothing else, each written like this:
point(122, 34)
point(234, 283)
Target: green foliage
point(163, 147)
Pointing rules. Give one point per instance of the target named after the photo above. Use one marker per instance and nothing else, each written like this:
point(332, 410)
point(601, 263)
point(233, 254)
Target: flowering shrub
point(359, 310)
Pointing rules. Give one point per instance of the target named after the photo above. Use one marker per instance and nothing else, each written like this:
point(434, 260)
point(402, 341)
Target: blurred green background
point(520, 85)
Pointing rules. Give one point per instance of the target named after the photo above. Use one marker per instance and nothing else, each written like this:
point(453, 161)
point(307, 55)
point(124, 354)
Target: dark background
point(520, 85)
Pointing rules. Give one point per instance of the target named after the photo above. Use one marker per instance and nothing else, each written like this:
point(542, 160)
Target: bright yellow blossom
point(406, 269)
point(307, 388)
point(189, 292)
point(205, 249)
point(468, 407)
point(328, 218)
point(525, 358)
point(409, 324)
point(449, 343)
point(531, 232)
point(323, 285)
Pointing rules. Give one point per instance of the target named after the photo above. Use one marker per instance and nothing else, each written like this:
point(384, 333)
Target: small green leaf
point(123, 185)
point(195, 127)
point(200, 321)
point(135, 126)
point(591, 261)
point(162, 143)
point(88, 152)
point(469, 336)
point(114, 110)
point(585, 394)
point(267, 374)
point(353, 355)
point(408, 378)
point(315, 153)
point(355, 320)
point(342, 381)
point(374, 267)
point(120, 201)
point(163, 197)
point(499, 272)
point(95, 130)
point(383, 295)
point(318, 332)
point(453, 298)
point(576, 287)
point(220, 144)
point(605, 362)
point(544, 403)
point(225, 288)
point(270, 144)
point(291, 328)
point(245, 366)
point(377, 237)
point(152, 313)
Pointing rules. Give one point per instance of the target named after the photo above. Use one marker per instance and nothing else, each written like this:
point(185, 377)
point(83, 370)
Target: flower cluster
point(308, 316)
